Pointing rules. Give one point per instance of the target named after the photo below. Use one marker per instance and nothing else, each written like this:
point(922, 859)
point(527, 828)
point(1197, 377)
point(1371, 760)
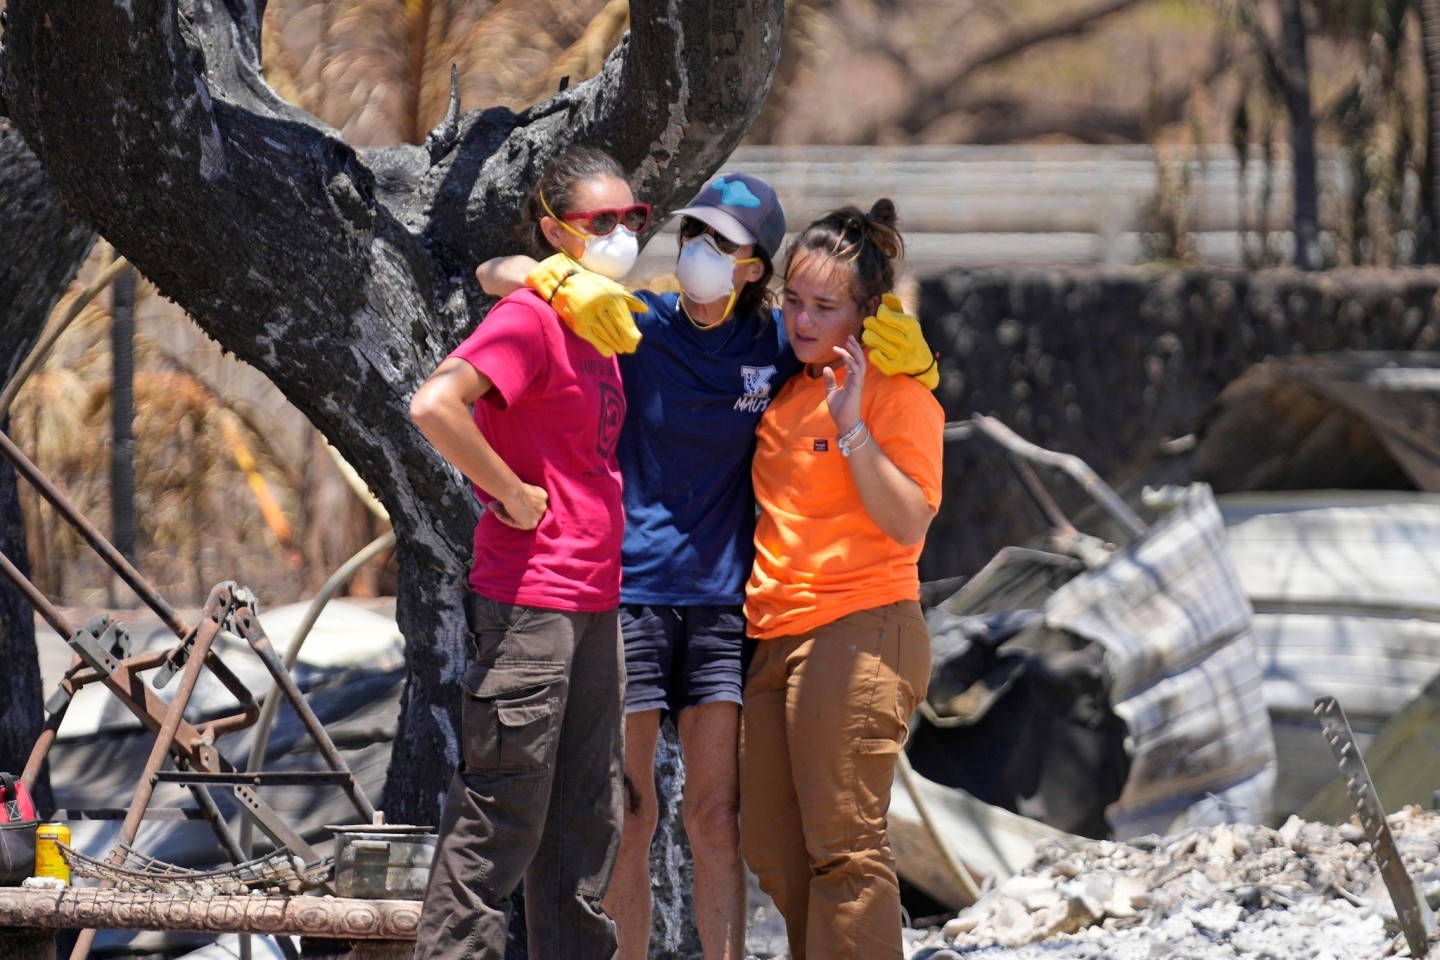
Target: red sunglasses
point(604, 220)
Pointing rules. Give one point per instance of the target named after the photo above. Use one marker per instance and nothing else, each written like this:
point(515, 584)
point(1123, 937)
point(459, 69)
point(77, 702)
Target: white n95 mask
point(611, 255)
point(705, 273)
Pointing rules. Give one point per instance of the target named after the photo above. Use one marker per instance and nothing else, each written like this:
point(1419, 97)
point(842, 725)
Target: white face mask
point(611, 255)
point(705, 273)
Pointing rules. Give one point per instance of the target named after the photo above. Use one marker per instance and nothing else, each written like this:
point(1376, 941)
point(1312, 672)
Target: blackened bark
point(43, 248)
point(1295, 76)
point(1429, 232)
point(345, 276)
point(122, 415)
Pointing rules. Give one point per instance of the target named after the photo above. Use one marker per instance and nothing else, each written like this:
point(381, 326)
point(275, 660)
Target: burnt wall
point(1106, 363)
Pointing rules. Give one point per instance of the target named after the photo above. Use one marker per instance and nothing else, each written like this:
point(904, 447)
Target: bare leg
point(628, 900)
point(709, 742)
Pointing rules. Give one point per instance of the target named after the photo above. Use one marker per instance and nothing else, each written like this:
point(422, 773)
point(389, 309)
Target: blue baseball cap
point(741, 208)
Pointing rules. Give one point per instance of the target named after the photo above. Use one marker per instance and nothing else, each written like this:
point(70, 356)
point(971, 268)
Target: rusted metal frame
point(272, 824)
point(79, 675)
point(166, 743)
point(191, 748)
point(147, 707)
point(174, 717)
point(124, 683)
point(253, 778)
point(250, 710)
point(211, 812)
point(247, 625)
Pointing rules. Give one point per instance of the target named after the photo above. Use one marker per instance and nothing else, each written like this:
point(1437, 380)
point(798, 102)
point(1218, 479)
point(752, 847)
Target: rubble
point(1305, 891)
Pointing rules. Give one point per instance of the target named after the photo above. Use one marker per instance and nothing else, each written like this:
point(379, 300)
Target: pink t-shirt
point(553, 416)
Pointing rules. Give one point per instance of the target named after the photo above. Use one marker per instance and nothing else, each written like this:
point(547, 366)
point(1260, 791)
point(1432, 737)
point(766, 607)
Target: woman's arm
point(896, 503)
point(502, 276)
point(441, 409)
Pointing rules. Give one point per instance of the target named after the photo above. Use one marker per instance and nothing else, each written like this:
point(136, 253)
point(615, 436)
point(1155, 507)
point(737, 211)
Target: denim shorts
point(681, 657)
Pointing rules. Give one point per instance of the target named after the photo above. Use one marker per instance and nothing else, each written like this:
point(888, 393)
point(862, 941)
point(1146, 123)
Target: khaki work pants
point(824, 719)
point(540, 792)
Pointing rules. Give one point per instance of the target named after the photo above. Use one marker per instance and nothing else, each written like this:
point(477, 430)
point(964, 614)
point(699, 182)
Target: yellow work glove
point(897, 345)
point(596, 308)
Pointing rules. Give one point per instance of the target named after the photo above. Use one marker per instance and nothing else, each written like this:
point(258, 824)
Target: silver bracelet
point(846, 441)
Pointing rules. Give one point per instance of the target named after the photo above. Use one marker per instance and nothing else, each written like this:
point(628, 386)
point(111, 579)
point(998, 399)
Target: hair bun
point(883, 213)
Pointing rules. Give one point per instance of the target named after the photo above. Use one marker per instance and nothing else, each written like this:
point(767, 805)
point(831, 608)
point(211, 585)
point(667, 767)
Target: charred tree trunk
point(346, 276)
point(1295, 77)
point(1429, 246)
point(122, 417)
point(44, 247)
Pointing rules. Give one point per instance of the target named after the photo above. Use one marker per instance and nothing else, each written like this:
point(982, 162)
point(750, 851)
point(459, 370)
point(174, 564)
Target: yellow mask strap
point(735, 291)
point(563, 223)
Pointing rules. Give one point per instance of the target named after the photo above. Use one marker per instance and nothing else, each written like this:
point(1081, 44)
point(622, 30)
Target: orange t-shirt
point(818, 555)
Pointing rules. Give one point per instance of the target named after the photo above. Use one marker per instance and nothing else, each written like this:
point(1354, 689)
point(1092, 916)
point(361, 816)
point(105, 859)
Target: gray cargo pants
point(539, 793)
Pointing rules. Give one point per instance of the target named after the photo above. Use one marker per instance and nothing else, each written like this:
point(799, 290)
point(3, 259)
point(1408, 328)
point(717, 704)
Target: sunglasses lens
point(691, 228)
point(635, 219)
point(602, 222)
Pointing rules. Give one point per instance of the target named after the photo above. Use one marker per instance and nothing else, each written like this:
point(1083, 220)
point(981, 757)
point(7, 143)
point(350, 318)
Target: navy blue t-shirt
point(693, 400)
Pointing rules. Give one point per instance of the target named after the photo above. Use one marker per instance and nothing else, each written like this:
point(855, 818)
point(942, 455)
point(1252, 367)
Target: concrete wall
point(1106, 363)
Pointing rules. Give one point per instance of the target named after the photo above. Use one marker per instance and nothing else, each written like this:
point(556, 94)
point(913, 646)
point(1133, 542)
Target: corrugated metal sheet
point(1344, 588)
point(1172, 616)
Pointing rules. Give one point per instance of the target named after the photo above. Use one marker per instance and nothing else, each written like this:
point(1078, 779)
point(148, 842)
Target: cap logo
point(734, 193)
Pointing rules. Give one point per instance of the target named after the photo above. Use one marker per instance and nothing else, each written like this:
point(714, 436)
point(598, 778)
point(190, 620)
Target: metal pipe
point(254, 633)
point(261, 736)
point(1073, 466)
point(958, 871)
point(165, 738)
point(328, 589)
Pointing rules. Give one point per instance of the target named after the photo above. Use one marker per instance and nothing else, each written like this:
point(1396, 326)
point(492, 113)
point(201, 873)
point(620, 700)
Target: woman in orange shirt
point(847, 476)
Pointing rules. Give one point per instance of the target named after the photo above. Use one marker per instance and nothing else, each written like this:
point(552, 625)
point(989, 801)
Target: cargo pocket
point(511, 713)
point(875, 761)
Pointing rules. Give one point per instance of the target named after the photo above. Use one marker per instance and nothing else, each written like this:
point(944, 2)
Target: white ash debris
point(1307, 890)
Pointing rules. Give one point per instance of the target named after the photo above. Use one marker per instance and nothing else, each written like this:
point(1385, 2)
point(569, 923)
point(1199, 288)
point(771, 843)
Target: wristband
point(550, 301)
point(920, 373)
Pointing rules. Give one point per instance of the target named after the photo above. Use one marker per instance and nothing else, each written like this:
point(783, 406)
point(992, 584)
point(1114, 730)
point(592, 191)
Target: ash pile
point(1305, 891)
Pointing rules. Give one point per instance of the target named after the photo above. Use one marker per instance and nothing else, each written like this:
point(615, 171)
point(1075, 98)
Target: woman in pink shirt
point(530, 413)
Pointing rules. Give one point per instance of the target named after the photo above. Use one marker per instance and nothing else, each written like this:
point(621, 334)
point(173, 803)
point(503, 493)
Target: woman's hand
point(844, 399)
point(524, 509)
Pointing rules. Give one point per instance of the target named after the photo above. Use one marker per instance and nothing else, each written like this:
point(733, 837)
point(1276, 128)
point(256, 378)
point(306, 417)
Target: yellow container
point(48, 861)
